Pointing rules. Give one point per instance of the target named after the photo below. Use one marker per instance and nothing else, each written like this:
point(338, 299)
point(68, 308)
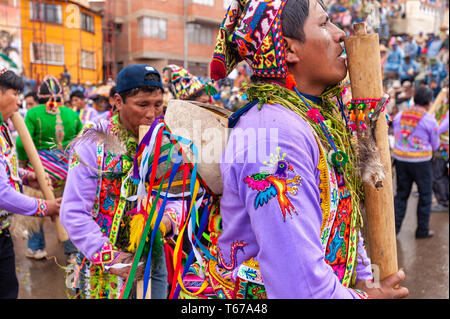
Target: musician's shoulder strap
point(234, 118)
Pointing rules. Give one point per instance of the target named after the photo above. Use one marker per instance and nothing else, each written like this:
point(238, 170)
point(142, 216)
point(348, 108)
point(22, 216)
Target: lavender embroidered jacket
point(11, 200)
point(422, 141)
point(280, 227)
point(78, 202)
point(88, 114)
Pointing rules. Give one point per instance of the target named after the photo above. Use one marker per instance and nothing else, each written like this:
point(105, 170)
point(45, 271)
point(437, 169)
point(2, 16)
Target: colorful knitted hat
point(182, 84)
point(50, 88)
point(251, 31)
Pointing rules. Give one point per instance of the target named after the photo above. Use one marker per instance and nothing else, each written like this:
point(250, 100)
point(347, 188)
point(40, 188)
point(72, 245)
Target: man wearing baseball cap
point(97, 211)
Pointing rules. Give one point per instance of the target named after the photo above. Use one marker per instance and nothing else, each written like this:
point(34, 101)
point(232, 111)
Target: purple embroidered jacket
point(422, 141)
point(279, 226)
point(78, 202)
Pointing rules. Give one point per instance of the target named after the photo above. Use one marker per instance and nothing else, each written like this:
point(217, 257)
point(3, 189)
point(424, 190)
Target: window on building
point(201, 34)
point(45, 12)
point(204, 2)
point(87, 22)
point(149, 27)
point(47, 53)
point(87, 60)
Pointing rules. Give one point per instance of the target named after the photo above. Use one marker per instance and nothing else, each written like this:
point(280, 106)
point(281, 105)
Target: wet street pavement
point(425, 261)
point(45, 278)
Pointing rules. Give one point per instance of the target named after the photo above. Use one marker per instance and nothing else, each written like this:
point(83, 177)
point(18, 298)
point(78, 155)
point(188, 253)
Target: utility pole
point(186, 40)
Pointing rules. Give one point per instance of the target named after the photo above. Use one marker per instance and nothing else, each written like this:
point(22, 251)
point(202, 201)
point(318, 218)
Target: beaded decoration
point(357, 119)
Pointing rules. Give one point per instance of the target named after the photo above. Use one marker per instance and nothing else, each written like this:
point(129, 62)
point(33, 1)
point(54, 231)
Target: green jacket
point(41, 126)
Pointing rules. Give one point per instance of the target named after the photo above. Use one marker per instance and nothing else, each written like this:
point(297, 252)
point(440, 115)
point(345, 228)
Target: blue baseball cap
point(135, 75)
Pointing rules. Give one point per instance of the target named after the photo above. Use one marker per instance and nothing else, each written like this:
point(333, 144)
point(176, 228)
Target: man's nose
point(150, 113)
point(338, 34)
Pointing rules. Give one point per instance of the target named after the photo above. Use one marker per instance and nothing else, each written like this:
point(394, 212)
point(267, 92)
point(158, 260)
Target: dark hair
point(293, 18)
point(423, 96)
point(197, 94)
point(78, 94)
point(145, 88)
point(112, 91)
point(33, 95)
point(10, 80)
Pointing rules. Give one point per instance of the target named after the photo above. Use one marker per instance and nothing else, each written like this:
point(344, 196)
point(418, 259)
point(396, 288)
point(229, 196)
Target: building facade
point(61, 36)
point(426, 16)
point(162, 32)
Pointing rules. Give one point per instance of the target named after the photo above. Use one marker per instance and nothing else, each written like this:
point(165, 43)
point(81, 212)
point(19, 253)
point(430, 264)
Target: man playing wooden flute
point(11, 180)
point(290, 208)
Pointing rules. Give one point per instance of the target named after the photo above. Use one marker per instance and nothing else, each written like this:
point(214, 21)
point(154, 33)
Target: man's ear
point(118, 101)
point(292, 49)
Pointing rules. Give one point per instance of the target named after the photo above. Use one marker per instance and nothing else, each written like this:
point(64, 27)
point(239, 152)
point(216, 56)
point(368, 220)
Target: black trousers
point(9, 286)
point(407, 174)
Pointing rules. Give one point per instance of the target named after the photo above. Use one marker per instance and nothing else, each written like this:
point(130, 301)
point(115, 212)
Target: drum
point(203, 125)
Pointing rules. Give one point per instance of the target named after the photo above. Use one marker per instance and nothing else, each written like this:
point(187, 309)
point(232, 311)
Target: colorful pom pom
point(315, 115)
point(290, 82)
point(339, 158)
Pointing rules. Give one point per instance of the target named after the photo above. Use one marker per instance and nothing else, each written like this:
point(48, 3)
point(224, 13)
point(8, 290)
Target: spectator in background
point(442, 56)
point(336, 7)
point(88, 89)
point(408, 69)
point(393, 62)
point(110, 108)
point(405, 95)
point(434, 86)
point(372, 9)
point(383, 55)
point(416, 139)
point(434, 46)
point(436, 72)
point(86, 113)
point(410, 48)
point(421, 41)
point(65, 76)
point(423, 71)
point(384, 24)
point(31, 100)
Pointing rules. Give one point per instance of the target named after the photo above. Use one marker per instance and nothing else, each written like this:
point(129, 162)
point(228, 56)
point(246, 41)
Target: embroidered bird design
point(276, 185)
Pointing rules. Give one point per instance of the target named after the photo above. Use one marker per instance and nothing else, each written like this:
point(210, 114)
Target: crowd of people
point(70, 124)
